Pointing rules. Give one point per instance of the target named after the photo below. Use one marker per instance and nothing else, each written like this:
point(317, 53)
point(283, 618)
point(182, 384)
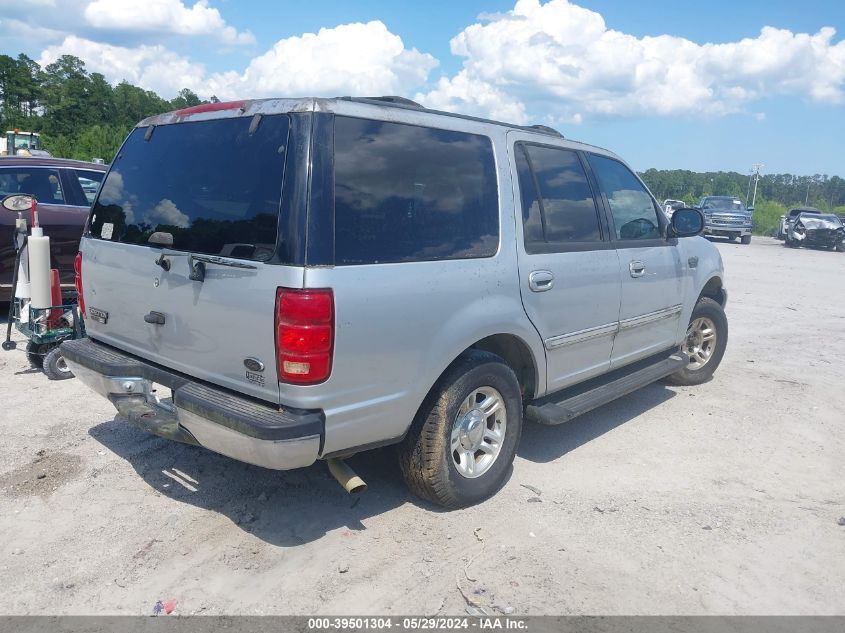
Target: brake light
point(211, 107)
point(304, 335)
point(77, 270)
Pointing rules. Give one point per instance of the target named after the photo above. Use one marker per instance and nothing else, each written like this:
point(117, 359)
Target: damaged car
point(820, 230)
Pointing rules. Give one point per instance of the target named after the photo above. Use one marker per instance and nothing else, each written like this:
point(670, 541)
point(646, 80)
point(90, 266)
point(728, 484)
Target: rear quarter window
point(406, 193)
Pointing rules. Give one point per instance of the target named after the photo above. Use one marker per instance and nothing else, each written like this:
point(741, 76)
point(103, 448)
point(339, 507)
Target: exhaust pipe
point(345, 476)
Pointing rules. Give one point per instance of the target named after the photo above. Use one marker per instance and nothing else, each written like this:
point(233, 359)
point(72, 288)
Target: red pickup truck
point(65, 190)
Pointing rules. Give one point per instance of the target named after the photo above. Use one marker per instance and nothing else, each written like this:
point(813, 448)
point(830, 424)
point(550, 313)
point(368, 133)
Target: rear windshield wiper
point(197, 263)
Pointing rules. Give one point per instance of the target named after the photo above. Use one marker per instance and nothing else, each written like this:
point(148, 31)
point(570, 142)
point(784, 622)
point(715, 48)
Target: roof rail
point(388, 99)
point(546, 129)
point(402, 102)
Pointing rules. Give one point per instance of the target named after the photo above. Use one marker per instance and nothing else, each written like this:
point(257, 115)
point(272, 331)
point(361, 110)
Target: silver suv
point(288, 280)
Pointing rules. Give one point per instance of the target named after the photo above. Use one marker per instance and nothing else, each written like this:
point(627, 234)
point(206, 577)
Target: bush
point(767, 217)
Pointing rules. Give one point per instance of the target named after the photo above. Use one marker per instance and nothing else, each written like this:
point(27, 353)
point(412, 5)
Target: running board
point(561, 407)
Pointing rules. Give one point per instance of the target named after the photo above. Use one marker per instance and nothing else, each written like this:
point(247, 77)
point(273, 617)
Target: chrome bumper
point(135, 400)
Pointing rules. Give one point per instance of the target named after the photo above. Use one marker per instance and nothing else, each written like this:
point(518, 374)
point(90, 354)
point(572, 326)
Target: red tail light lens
point(77, 269)
point(304, 335)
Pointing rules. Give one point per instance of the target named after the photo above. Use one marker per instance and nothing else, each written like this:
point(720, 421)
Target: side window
point(90, 182)
point(558, 207)
point(634, 215)
point(407, 193)
point(42, 183)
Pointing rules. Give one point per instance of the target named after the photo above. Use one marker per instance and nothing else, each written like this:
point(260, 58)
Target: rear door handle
point(637, 268)
point(541, 280)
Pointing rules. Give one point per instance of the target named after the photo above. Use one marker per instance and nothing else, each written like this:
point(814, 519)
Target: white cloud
point(164, 16)
point(166, 212)
point(357, 59)
point(151, 67)
point(354, 59)
point(560, 61)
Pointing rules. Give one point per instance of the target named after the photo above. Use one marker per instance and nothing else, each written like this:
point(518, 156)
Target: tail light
point(77, 270)
point(304, 335)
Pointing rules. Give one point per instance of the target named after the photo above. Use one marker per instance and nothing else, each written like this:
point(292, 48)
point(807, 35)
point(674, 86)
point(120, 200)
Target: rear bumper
point(198, 413)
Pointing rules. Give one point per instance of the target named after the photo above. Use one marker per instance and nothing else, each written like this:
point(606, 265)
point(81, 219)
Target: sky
point(715, 86)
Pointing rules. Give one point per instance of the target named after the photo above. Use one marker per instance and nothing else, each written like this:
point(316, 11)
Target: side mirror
point(749, 208)
point(18, 202)
point(687, 222)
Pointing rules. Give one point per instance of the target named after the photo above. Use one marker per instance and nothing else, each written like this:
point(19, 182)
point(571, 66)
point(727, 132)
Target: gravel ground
point(719, 499)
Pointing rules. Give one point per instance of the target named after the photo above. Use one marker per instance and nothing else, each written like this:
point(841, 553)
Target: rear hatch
point(215, 189)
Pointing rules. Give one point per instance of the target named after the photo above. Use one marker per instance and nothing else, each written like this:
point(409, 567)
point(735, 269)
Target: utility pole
point(748, 189)
point(757, 167)
point(807, 197)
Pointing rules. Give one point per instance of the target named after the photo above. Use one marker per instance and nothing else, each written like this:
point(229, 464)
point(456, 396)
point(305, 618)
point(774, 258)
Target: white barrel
point(22, 290)
point(38, 246)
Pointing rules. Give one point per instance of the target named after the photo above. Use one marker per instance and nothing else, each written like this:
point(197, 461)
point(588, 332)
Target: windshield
point(726, 204)
point(26, 141)
point(212, 185)
point(823, 216)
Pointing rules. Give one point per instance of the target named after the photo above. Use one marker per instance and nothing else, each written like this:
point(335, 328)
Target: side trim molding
point(581, 335)
point(651, 317)
point(611, 329)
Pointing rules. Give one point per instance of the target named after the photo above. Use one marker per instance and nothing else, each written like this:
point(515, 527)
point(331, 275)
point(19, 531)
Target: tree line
point(81, 115)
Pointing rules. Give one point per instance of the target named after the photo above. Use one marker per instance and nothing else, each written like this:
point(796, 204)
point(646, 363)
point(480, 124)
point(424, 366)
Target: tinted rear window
point(408, 193)
point(214, 186)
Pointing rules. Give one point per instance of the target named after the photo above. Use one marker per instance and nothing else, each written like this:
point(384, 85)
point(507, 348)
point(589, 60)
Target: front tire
point(707, 338)
point(746, 239)
point(463, 440)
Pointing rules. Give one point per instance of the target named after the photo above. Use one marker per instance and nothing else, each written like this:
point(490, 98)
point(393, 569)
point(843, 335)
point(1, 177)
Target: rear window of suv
point(213, 185)
point(406, 193)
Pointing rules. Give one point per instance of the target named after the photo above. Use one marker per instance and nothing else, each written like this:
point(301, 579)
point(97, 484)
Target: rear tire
point(746, 239)
point(55, 366)
point(463, 439)
point(705, 353)
point(840, 248)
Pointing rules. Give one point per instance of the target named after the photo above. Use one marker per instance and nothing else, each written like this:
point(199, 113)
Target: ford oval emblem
point(253, 364)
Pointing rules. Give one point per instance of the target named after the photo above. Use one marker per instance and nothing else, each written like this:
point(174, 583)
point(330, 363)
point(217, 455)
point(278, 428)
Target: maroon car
point(65, 190)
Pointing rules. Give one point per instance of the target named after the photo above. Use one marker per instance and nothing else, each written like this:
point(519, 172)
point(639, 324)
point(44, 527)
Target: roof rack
point(388, 99)
point(402, 102)
point(546, 129)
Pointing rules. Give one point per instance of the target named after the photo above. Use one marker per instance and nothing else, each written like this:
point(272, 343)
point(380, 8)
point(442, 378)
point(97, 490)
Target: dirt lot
point(723, 498)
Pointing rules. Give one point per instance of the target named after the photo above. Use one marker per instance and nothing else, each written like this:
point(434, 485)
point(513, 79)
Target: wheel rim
point(61, 365)
point(701, 342)
point(478, 432)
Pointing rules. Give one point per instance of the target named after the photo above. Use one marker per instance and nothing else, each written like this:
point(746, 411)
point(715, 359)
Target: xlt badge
point(258, 379)
point(100, 316)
